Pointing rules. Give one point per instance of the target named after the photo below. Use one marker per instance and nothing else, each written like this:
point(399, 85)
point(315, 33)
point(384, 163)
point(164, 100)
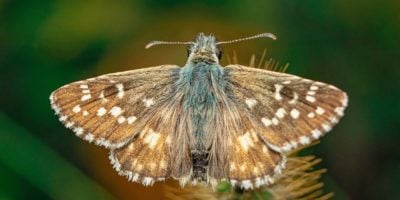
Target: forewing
point(112, 108)
point(287, 111)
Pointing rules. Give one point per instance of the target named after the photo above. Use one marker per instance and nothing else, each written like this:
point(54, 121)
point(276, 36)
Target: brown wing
point(238, 154)
point(287, 111)
point(110, 109)
point(251, 162)
point(161, 150)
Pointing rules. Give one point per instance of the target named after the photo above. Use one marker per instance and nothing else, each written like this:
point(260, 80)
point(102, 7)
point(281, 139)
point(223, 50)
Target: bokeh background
point(45, 44)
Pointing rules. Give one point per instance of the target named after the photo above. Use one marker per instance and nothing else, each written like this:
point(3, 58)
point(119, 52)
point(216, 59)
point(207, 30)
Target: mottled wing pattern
point(160, 150)
point(238, 153)
point(145, 159)
point(111, 109)
point(251, 162)
point(287, 111)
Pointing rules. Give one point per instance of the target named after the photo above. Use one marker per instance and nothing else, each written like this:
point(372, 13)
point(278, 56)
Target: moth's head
point(204, 49)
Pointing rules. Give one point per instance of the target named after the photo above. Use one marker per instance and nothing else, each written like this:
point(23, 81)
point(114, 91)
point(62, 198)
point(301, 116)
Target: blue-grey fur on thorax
point(200, 79)
point(200, 98)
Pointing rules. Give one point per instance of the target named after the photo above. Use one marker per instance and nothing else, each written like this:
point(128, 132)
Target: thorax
point(201, 84)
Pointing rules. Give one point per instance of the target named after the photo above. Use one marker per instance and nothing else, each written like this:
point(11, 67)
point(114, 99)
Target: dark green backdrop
point(45, 44)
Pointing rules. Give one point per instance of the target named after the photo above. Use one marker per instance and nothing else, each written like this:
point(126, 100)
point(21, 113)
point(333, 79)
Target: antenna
point(154, 43)
point(262, 35)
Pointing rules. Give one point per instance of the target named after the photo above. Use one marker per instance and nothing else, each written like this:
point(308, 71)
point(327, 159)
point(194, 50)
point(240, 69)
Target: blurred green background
point(45, 44)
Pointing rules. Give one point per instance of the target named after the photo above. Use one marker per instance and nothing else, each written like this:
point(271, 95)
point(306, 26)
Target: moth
point(201, 122)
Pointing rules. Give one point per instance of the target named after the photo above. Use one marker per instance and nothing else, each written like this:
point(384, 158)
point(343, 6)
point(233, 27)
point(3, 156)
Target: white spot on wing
point(259, 182)
point(313, 87)
point(275, 121)
point(85, 113)
point(120, 88)
point(233, 182)
point(277, 92)
point(78, 131)
point(135, 177)
point(246, 184)
point(69, 124)
point(121, 119)
point(86, 97)
point(115, 111)
point(334, 120)
point(310, 98)
point(103, 142)
point(148, 102)
point(294, 113)
point(268, 179)
point(131, 119)
point(83, 86)
point(56, 109)
point(251, 102)
point(101, 111)
point(280, 113)
point(320, 110)
point(63, 118)
point(267, 122)
point(151, 138)
point(339, 111)
point(104, 100)
point(89, 137)
point(304, 140)
point(246, 141)
point(311, 93)
point(316, 133)
point(295, 97)
point(311, 115)
point(76, 109)
point(326, 127)
point(148, 181)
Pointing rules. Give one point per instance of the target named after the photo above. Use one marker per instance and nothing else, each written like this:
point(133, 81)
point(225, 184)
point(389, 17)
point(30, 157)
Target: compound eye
point(219, 53)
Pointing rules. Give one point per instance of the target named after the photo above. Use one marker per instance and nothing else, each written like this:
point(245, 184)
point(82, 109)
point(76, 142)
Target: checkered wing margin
point(287, 111)
point(111, 109)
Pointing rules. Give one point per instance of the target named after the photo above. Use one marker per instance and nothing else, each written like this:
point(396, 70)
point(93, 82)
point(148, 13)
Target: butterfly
point(201, 122)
